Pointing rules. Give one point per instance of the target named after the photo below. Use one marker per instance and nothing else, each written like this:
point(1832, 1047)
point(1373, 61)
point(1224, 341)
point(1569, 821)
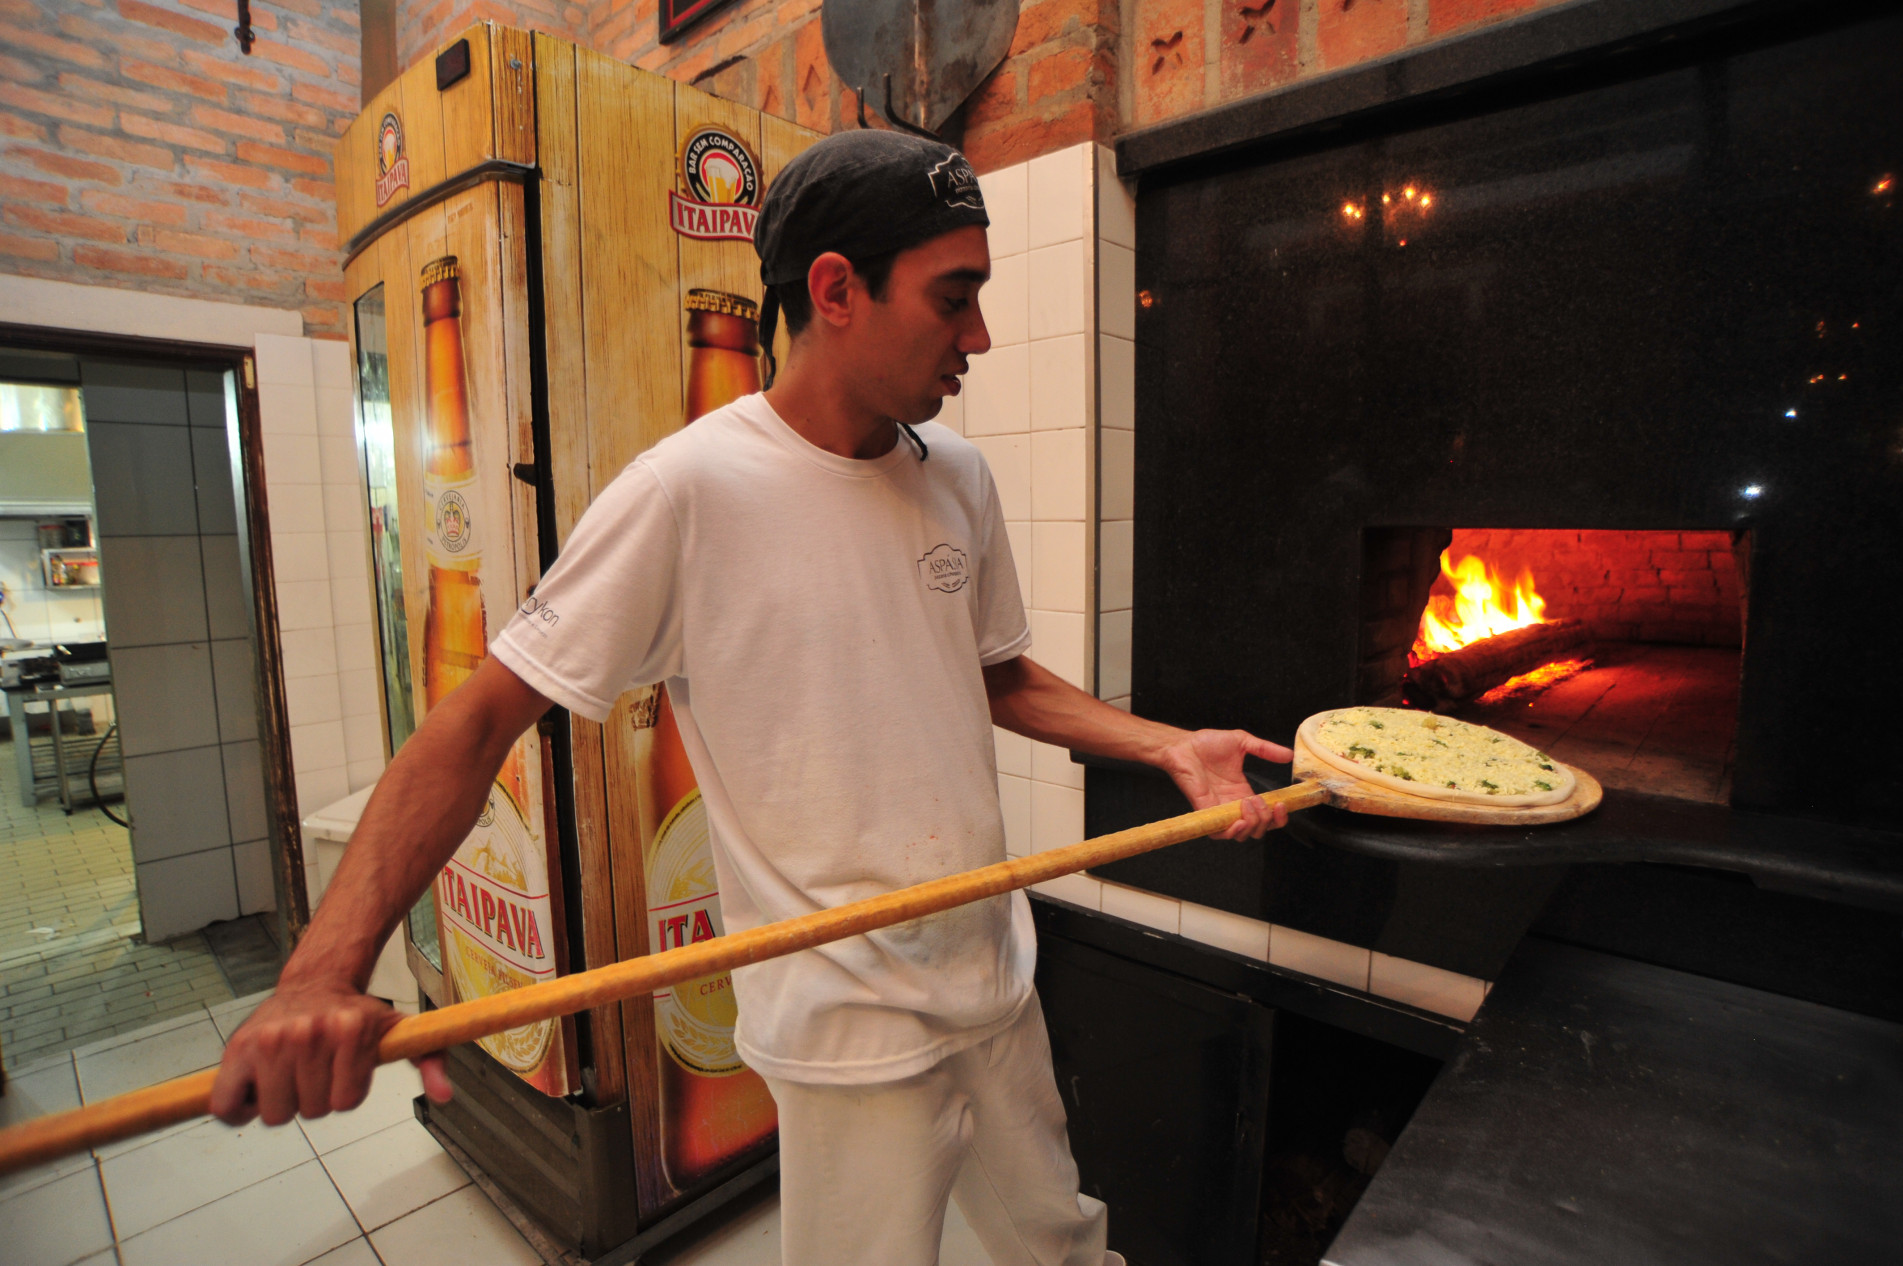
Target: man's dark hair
point(796, 303)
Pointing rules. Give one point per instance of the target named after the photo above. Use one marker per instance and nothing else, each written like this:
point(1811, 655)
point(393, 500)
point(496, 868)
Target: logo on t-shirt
point(944, 569)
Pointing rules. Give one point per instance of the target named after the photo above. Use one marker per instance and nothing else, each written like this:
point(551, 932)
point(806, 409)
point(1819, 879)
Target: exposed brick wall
point(1678, 587)
point(1187, 55)
point(423, 26)
point(140, 149)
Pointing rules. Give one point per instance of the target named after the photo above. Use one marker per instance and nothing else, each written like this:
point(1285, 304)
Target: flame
point(1481, 605)
point(1531, 683)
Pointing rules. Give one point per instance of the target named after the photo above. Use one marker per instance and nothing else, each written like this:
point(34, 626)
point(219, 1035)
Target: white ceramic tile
point(211, 471)
point(344, 508)
point(164, 697)
point(1060, 572)
point(234, 679)
point(56, 1223)
point(285, 1220)
point(1233, 932)
point(1117, 290)
point(356, 1253)
point(337, 456)
point(50, 1087)
point(1116, 563)
point(244, 790)
point(349, 556)
point(1116, 456)
point(322, 786)
point(297, 508)
point(172, 1052)
point(330, 363)
point(229, 1015)
point(205, 392)
point(357, 688)
point(1060, 387)
point(1019, 534)
point(284, 358)
point(122, 391)
point(1318, 956)
point(1014, 752)
point(1116, 202)
point(1052, 764)
point(1057, 642)
point(286, 409)
point(310, 700)
point(154, 589)
point(1079, 890)
point(1117, 382)
point(182, 894)
point(395, 1171)
point(1121, 703)
point(460, 1228)
point(143, 482)
point(1058, 199)
point(1006, 203)
point(251, 862)
point(304, 605)
point(336, 413)
point(951, 413)
point(1113, 654)
point(363, 738)
point(998, 392)
point(1148, 908)
point(1014, 800)
point(178, 803)
point(308, 652)
point(350, 600)
point(1429, 988)
point(227, 596)
point(1059, 476)
point(1057, 816)
point(388, 1102)
point(154, 1029)
point(1005, 301)
point(362, 773)
point(291, 459)
point(1058, 292)
point(299, 556)
point(191, 1169)
point(1009, 457)
point(356, 646)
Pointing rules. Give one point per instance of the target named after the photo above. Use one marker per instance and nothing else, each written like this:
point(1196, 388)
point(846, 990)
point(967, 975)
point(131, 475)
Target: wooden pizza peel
point(168, 1103)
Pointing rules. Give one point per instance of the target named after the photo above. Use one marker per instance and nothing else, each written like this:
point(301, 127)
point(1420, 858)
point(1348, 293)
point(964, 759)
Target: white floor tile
point(56, 1224)
point(356, 1253)
point(227, 1016)
point(282, 1221)
point(165, 1055)
point(388, 1102)
point(185, 1171)
point(395, 1171)
point(106, 1257)
point(157, 1027)
point(461, 1228)
point(51, 1089)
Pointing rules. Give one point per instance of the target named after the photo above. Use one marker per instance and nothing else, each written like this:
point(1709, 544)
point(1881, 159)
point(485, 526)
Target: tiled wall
point(37, 613)
point(179, 625)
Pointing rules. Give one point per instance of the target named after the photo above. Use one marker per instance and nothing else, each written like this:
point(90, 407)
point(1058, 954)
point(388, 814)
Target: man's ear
point(829, 282)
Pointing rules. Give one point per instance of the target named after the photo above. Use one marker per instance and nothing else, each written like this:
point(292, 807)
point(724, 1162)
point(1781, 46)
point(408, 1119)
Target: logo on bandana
point(720, 195)
point(944, 569)
point(955, 184)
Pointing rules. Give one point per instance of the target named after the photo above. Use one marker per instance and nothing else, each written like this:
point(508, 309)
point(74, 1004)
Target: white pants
point(865, 1170)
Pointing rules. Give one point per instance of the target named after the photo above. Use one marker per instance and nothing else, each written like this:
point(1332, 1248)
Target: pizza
point(1424, 754)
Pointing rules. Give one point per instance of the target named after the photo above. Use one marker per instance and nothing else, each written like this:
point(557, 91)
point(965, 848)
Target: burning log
point(1479, 666)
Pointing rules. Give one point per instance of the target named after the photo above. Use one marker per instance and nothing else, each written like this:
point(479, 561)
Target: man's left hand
point(1207, 767)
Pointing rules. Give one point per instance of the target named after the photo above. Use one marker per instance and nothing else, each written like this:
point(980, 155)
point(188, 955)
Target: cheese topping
point(1438, 751)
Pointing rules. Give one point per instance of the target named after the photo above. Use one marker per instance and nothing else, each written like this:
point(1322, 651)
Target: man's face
point(919, 337)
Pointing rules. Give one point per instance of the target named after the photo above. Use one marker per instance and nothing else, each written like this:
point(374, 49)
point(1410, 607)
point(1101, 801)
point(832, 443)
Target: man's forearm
point(425, 804)
point(1027, 698)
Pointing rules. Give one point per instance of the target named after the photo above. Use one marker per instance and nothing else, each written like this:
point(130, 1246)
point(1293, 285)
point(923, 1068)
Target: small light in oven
point(1353, 211)
point(1790, 413)
point(1751, 492)
point(1145, 299)
point(1408, 193)
point(1427, 200)
point(1884, 184)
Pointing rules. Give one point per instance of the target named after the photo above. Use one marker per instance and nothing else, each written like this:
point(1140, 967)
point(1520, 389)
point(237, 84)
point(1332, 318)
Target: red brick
point(325, 288)
point(53, 105)
point(81, 86)
point(143, 263)
point(20, 72)
point(342, 102)
point(1045, 20)
point(171, 80)
point(1025, 138)
point(234, 173)
point(144, 210)
point(1448, 15)
point(1351, 31)
point(268, 106)
point(245, 226)
point(21, 129)
point(175, 133)
point(119, 37)
point(237, 124)
point(68, 166)
point(28, 247)
point(319, 319)
point(997, 99)
point(205, 194)
point(1694, 595)
point(1060, 73)
point(1258, 46)
point(64, 223)
point(225, 70)
point(177, 23)
point(173, 242)
point(276, 283)
point(323, 142)
point(1699, 579)
point(30, 190)
point(295, 260)
point(1681, 560)
point(283, 208)
point(318, 239)
point(20, 39)
point(1167, 70)
point(769, 91)
point(1640, 594)
point(1705, 540)
point(296, 58)
point(323, 189)
point(287, 159)
point(348, 43)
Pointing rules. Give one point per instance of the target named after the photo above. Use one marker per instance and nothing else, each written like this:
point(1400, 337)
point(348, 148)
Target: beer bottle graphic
point(455, 641)
point(712, 1106)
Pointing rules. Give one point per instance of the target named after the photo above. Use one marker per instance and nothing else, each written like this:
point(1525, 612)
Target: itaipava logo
point(944, 568)
point(393, 165)
point(452, 521)
point(719, 197)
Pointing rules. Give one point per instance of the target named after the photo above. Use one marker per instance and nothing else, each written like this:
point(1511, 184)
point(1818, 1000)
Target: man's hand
point(1207, 767)
point(309, 1051)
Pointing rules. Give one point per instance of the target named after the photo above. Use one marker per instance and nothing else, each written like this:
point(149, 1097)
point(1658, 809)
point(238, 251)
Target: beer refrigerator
point(549, 269)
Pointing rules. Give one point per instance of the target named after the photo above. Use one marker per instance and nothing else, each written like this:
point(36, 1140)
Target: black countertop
point(1602, 1110)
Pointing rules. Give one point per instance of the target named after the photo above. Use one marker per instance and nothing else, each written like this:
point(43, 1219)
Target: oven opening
point(1615, 651)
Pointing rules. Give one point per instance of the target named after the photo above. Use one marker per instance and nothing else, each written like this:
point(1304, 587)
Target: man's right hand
point(309, 1050)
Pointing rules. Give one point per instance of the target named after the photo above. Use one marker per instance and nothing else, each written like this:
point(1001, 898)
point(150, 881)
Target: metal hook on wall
point(243, 30)
point(891, 116)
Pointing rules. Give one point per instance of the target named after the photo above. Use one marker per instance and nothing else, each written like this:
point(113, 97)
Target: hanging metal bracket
point(246, 36)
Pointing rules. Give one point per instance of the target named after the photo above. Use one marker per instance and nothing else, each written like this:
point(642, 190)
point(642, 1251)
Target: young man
point(834, 608)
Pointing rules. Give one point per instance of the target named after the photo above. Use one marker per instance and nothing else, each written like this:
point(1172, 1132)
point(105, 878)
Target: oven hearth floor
point(1656, 719)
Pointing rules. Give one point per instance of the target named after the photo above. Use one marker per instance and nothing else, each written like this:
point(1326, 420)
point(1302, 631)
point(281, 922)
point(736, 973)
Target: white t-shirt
point(820, 623)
